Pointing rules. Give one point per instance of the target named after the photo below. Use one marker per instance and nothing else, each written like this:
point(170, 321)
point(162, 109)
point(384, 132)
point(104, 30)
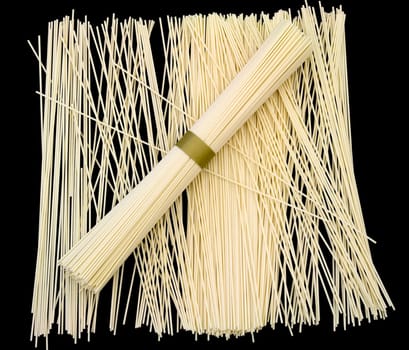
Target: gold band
point(195, 148)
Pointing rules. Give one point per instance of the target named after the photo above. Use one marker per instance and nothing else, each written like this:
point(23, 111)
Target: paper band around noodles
point(196, 148)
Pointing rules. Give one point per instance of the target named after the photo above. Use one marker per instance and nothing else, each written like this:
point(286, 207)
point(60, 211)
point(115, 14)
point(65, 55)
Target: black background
point(377, 78)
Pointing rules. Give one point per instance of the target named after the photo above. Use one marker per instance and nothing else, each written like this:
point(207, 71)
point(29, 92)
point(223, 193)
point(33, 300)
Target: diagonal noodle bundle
point(98, 255)
point(273, 222)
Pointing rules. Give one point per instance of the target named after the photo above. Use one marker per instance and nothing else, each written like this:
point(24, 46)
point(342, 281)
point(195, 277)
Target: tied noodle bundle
point(99, 254)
